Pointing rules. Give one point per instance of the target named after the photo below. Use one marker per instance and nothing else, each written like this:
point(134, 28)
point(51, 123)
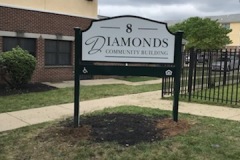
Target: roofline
point(223, 18)
point(216, 17)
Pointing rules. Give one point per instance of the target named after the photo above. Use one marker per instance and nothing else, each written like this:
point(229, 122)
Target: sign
point(128, 39)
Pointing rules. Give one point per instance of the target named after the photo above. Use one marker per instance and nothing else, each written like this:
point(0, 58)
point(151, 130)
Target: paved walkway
point(13, 120)
point(65, 84)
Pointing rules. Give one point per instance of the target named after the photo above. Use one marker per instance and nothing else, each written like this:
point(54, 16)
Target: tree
point(203, 33)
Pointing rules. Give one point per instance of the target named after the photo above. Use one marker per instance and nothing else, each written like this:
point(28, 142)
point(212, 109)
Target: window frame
point(20, 42)
point(57, 53)
point(226, 25)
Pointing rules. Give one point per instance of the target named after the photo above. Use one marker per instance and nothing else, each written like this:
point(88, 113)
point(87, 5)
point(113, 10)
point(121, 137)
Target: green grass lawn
point(66, 95)
point(207, 138)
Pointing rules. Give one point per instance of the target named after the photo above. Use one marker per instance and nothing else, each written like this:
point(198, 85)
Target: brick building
point(49, 36)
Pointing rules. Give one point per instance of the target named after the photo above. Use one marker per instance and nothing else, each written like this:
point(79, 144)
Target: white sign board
point(128, 39)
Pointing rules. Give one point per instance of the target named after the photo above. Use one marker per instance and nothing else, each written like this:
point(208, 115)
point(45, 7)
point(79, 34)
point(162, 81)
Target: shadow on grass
point(25, 88)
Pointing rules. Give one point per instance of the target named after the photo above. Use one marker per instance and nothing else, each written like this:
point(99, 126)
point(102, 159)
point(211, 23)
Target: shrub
point(17, 66)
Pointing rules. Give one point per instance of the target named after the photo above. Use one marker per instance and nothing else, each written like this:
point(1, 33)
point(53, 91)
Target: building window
point(28, 44)
point(57, 52)
point(226, 25)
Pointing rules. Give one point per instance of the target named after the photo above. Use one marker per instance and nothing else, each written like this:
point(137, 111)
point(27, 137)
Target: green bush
point(17, 66)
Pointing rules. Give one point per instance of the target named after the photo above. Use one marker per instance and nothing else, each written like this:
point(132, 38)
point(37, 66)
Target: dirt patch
point(171, 128)
point(26, 88)
point(124, 129)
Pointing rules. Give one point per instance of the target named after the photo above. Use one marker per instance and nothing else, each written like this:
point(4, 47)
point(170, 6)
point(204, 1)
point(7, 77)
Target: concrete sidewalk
point(65, 84)
point(13, 120)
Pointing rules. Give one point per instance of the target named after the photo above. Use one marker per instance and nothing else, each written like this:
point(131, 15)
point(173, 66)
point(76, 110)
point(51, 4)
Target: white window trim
point(36, 35)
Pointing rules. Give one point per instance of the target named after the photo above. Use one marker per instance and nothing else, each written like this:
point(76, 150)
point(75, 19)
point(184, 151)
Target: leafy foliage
point(17, 66)
point(203, 33)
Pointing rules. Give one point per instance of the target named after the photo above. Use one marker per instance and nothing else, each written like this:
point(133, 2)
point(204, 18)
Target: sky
point(164, 10)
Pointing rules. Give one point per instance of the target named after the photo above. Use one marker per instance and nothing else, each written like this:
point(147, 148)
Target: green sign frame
point(83, 67)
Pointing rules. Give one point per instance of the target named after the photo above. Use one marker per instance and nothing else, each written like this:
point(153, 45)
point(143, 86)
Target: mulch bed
point(26, 88)
point(124, 129)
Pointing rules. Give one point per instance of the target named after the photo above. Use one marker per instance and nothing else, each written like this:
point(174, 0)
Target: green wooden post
point(78, 50)
point(177, 78)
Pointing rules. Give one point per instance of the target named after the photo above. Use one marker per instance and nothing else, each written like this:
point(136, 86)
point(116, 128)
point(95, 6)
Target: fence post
point(163, 86)
point(225, 69)
point(210, 83)
point(190, 74)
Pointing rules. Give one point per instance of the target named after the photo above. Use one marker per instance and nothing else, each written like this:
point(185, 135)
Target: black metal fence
point(212, 76)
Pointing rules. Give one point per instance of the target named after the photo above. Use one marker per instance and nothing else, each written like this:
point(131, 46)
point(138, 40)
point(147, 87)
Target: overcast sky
point(163, 10)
